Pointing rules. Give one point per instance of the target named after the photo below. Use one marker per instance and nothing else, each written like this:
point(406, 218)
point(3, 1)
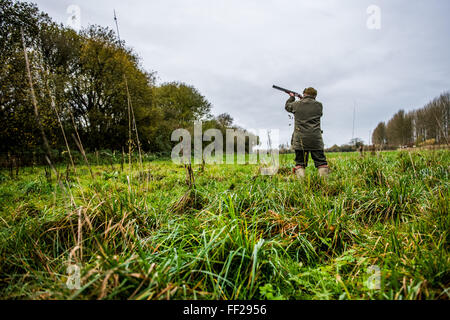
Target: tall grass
point(233, 234)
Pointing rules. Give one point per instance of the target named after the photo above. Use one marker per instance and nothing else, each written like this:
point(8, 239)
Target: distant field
point(234, 235)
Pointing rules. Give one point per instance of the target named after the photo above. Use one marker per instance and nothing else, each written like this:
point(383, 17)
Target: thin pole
point(117, 25)
point(130, 107)
point(128, 98)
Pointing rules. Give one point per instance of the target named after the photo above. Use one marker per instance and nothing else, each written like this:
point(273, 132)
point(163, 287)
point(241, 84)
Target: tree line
point(425, 126)
point(89, 87)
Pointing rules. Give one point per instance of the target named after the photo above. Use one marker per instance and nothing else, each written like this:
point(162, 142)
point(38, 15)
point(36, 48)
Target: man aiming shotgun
point(307, 138)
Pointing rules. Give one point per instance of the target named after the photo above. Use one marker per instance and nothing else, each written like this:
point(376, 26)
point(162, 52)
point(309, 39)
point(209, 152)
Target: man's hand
point(292, 94)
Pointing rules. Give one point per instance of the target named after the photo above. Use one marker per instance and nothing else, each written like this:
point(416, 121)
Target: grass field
point(234, 235)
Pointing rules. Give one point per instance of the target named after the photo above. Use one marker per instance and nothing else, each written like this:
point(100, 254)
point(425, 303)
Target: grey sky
point(233, 51)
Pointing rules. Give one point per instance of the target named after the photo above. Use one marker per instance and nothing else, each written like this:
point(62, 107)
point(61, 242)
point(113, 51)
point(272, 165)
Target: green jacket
point(307, 133)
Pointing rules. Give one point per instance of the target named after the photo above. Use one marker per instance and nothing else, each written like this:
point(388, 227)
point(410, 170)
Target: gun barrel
point(287, 91)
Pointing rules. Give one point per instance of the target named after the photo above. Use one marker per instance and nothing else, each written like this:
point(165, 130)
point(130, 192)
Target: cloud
point(234, 51)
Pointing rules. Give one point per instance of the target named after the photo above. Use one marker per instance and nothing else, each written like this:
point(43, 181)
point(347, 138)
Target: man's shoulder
point(310, 100)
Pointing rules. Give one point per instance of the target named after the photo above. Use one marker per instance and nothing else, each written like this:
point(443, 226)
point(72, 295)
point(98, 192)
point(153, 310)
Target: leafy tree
point(179, 105)
point(399, 129)
point(84, 80)
point(182, 103)
point(379, 134)
point(19, 130)
point(430, 123)
point(98, 91)
point(225, 120)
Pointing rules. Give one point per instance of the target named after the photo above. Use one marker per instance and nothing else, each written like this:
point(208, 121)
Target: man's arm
point(290, 104)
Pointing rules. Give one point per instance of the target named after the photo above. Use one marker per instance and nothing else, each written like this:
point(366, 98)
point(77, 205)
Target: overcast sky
point(233, 51)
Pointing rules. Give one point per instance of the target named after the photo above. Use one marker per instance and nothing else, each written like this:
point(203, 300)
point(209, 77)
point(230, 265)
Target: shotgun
point(298, 95)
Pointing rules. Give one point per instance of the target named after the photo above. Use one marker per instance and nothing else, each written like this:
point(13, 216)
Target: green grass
point(235, 235)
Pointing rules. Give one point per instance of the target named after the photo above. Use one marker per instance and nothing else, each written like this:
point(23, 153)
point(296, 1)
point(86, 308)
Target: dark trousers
point(302, 157)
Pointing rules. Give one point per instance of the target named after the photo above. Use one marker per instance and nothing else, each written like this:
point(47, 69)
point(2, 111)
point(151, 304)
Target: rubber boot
point(300, 172)
point(324, 171)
